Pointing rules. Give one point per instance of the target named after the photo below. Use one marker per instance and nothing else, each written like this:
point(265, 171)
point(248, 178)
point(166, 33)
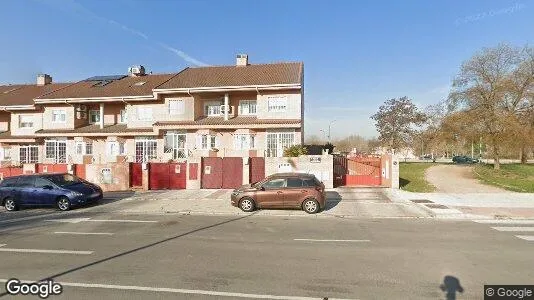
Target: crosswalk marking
point(513, 228)
point(526, 237)
point(510, 222)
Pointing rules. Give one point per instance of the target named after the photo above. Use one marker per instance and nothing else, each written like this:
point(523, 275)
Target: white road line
point(2, 245)
point(512, 228)
point(121, 221)
point(182, 291)
point(2, 249)
point(83, 233)
point(314, 240)
point(526, 237)
point(516, 222)
point(72, 220)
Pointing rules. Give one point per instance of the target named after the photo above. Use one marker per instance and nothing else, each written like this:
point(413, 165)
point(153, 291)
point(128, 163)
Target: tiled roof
point(116, 128)
point(23, 94)
point(264, 74)
point(6, 135)
point(127, 86)
point(241, 120)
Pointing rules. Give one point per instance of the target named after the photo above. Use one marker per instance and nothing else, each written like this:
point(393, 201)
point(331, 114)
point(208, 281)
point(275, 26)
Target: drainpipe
point(101, 121)
point(226, 106)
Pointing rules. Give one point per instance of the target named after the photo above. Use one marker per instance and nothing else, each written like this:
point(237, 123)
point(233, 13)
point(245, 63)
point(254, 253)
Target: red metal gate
point(256, 169)
point(357, 171)
point(136, 174)
point(9, 171)
point(51, 168)
point(79, 170)
point(163, 176)
point(226, 173)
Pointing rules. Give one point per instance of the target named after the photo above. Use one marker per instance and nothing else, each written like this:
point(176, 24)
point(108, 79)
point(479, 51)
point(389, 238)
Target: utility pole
point(472, 149)
point(329, 127)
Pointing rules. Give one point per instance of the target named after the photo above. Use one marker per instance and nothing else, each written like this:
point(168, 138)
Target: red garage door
point(136, 175)
point(256, 169)
point(211, 173)
point(163, 176)
point(232, 172)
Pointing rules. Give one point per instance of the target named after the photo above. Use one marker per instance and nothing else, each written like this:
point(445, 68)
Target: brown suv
point(291, 190)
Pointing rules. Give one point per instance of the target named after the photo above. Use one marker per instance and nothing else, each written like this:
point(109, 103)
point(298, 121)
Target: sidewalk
point(472, 205)
point(343, 203)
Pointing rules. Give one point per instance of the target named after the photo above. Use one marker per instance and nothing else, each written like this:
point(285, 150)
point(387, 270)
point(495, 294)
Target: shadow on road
point(451, 285)
point(332, 199)
point(403, 182)
point(135, 250)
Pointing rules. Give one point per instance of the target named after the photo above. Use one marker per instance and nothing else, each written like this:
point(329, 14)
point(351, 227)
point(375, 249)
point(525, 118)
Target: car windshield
point(64, 179)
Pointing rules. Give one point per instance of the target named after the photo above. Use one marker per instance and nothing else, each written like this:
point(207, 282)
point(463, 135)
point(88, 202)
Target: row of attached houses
point(243, 110)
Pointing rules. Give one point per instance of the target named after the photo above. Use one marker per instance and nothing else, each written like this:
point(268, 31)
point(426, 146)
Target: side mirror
point(47, 187)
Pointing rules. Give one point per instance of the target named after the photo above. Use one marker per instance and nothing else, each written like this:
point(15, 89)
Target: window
point(88, 148)
point(79, 148)
point(5, 153)
point(277, 104)
point(115, 148)
point(25, 121)
point(274, 183)
point(28, 154)
point(9, 182)
point(244, 141)
point(207, 142)
point(145, 149)
point(123, 117)
point(59, 116)
point(144, 113)
point(63, 179)
point(176, 107)
point(175, 144)
point(94, 116)
point(212, 108)
point(84, 148)
point(247, 107)
point(56, 150)
point(41, 182)
point(310, 182)
point(294, 183)
point(278, 141)
point(26, 181)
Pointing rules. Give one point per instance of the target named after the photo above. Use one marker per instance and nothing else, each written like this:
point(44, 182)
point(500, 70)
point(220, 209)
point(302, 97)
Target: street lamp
point(329, 127)
point(324, 134)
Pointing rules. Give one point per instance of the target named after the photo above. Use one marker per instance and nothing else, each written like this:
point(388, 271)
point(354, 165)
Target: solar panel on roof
point(105, 78)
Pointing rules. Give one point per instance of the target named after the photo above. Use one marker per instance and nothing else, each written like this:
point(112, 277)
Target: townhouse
point(243, 110)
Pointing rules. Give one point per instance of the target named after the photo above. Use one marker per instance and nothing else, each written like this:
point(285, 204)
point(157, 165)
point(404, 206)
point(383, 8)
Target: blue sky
point(356, 54)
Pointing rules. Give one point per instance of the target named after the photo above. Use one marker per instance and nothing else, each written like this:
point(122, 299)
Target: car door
point(295, 192)
point(44, 191)
point(271, 193)
point(25, 187)
point(9, 189)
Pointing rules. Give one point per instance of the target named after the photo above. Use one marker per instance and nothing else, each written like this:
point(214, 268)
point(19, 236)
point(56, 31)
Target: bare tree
point(397, 121)
point(314, 140)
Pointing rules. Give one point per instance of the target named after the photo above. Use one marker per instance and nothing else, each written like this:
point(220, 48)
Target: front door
point(272, 193)
point(295, 192)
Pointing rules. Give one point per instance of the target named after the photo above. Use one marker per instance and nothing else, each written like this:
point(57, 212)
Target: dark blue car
point(60, 190)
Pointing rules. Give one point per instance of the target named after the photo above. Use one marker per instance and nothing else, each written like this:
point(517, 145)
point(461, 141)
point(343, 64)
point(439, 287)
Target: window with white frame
point(25, 121)
point(5, 153)
point(94, 116)
point(244, 141)
point(212, 108)
point(84, 148)
point(145, 149)
point(277, 103)
point(176, 107)
point(206, 141)
point(59, 116)
point(144, 113)
point(123, 117)
point(56, 150)
point(247, 107)
point(277, 142)
point(28, 154)
point(114, 148)
point(175, 143)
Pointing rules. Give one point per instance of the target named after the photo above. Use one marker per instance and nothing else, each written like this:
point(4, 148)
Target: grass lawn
point(412, 177)
point(513, 177)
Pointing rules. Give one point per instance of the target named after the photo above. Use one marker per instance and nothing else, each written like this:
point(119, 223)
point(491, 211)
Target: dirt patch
point(457, 179)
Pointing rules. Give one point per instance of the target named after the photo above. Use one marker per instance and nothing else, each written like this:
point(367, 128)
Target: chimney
point(44, 79)
point(242, 60)
point(136, 71)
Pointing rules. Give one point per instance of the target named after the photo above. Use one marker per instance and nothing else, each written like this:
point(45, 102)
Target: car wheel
point(10, 205)
point(63, 203)
point(247, 204)
point(310, 206)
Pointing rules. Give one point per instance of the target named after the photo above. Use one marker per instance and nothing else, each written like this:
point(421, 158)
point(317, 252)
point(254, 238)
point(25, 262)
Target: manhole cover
point(438, 206)
point(421, 201)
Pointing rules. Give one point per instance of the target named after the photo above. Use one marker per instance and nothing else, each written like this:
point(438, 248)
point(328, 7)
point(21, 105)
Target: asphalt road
point(209, 257)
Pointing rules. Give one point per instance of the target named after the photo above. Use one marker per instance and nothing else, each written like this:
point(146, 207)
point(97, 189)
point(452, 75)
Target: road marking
point(72, 220)
point(517, 222)
point(122, 221)
point(182, 291)
point(83, 233)
point(314, 240)
point(512, 228)
point(2, 249)
point(526, 237)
